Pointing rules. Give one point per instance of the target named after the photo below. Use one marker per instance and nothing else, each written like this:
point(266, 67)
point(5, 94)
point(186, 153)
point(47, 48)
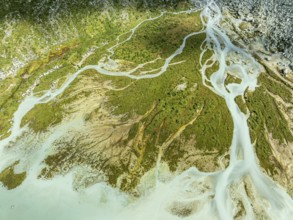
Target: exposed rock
point(271, 20)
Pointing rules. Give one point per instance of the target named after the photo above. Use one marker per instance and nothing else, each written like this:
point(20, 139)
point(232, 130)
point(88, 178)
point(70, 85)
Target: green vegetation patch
point(11, 180)
point(42, 116)
point(158, 38)
point(241, 104)
point(266, 114)
point(44, 42)
point(276, 87)
point(178, 94)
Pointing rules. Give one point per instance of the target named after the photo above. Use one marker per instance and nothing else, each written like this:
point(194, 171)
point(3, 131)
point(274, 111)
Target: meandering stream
point(192, 194)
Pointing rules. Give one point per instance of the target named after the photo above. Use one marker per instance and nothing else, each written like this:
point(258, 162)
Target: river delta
point(141, 114)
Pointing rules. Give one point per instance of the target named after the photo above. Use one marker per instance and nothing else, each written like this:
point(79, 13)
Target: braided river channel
point(191, 194)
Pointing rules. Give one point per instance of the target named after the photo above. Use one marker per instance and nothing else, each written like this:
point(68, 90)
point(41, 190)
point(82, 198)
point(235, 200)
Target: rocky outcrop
point(271, 22)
